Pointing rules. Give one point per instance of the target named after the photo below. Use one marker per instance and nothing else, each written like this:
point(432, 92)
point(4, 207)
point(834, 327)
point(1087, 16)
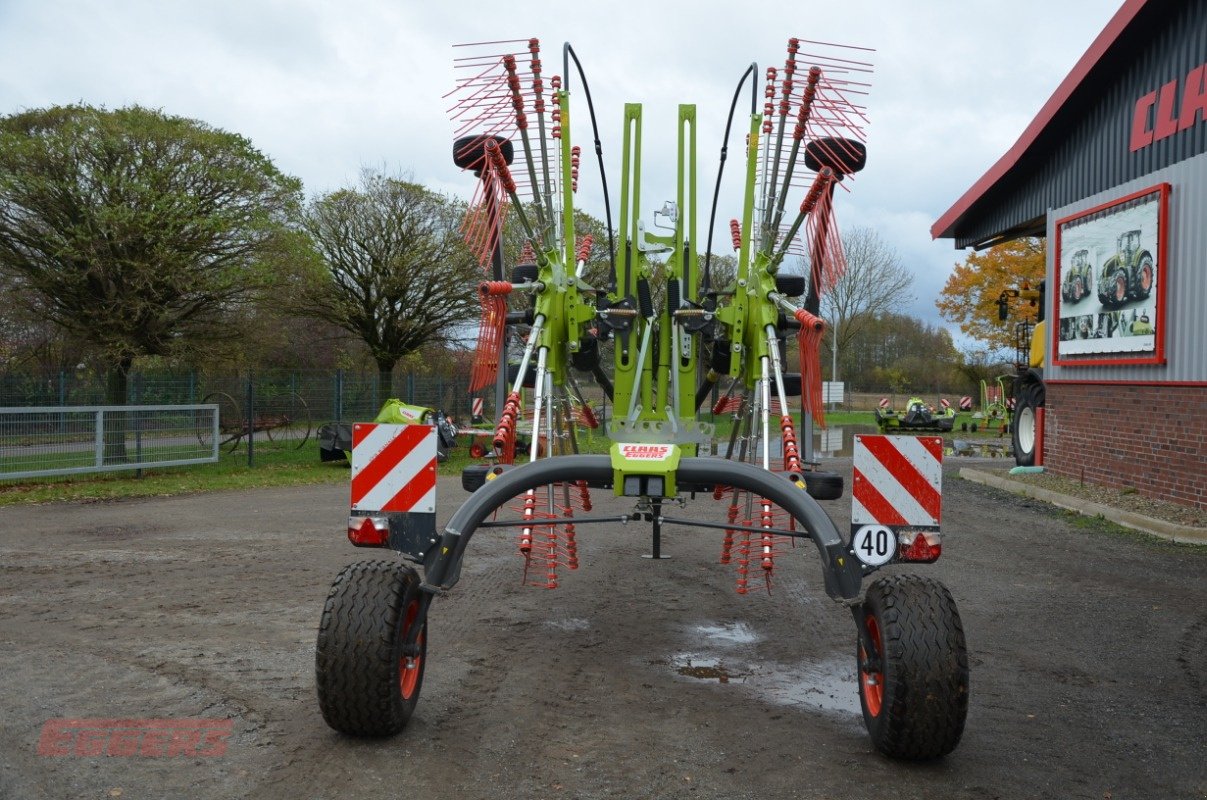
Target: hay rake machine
point(676, 331)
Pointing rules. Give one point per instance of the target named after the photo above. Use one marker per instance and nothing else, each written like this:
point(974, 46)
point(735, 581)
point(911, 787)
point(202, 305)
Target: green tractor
point(1078, 278)
point(1127, 275)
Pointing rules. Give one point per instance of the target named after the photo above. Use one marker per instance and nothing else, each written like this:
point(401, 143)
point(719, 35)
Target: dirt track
point(637, 678)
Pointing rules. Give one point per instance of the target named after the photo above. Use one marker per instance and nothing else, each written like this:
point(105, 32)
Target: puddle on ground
point(706, 668)
point(830, 685)
point(826, 686)
point(728, 633)
point(569, 625)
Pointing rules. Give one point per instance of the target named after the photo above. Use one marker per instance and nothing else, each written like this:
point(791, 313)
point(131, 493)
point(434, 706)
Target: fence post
point(251, 415)
point(100, 439)
point(339, 396)
point(62, 402)
point(137, 389)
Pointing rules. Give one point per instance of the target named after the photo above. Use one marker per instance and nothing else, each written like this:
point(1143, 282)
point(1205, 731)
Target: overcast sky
point(326, 88)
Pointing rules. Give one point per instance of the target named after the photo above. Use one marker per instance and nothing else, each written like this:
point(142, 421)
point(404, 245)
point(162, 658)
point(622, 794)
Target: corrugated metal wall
point(1086, 147)
point(1185, 275)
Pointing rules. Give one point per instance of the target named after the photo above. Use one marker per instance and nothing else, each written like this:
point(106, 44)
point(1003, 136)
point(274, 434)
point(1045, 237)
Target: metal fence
point(319, 395)
point(65, 440)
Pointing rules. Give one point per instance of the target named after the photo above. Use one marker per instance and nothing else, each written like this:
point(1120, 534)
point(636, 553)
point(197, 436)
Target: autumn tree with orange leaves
point(969, 298)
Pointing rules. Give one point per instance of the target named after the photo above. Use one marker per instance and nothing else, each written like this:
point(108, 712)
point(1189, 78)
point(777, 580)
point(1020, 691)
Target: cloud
point(326, 89)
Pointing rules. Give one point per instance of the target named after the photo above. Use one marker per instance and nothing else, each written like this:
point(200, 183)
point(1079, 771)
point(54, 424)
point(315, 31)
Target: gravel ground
point(636, 678)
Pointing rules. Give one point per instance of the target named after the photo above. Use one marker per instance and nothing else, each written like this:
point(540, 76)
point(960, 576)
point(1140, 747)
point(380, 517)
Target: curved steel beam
point(842, 572)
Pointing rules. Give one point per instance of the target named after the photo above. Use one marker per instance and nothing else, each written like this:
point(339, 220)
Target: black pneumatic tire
point(524, 273)
point(365, 686)
point(1025, 427)
point(823, 485)
point(914, 707)
point(790, 285)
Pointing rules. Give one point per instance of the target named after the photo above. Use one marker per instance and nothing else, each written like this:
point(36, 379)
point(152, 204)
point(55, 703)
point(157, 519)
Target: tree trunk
point(117, 381)
point(385, 379)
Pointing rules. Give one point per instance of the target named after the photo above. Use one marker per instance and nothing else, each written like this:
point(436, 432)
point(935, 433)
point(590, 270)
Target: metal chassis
point(842, 572)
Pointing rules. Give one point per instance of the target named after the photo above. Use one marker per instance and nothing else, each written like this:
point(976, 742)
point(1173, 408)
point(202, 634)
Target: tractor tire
point(366, 686)
point(1118, 288)
point(914, 694)
point(1024, 438)
point(1144, 277)
point(823, 485)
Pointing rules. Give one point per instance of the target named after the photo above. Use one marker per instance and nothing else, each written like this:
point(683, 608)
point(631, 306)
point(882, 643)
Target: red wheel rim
point(872, 683)
point(409, 669)
point(1120, 289)
point(477, 451)
point(1146, 277)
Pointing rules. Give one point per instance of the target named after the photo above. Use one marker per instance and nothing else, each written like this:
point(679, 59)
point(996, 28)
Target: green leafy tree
point(392, 268)
point(138, 232)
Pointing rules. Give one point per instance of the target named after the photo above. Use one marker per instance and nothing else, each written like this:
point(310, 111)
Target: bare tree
point(875, 283)
point(395, 272)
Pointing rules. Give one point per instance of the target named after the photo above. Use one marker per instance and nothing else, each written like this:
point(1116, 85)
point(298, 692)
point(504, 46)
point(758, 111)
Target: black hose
point(753, 69)
point(567, 54)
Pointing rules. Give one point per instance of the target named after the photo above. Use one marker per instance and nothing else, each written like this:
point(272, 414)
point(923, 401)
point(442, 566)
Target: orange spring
point(526, 533)
point(793, 45)
point(824, 177)
point(555, 82)
point(744, 559)
point(505, 432)
point(791, 453)
point(735, 233)
point(489, 288)
point(571, 547)
point(551, 559)
point(584, 250)
point(584, 495)
point(495, 154)
point(809, 321)
point(727, 542)
point(767, 520)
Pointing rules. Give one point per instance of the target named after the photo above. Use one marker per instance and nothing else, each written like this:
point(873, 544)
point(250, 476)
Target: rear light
point(368, 531)
point(924, 548)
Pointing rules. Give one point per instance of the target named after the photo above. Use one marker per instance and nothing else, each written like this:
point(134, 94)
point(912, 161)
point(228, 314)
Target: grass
point(273, 467)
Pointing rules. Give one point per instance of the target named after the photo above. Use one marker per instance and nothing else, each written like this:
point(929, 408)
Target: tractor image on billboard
point(1127, 275)
point(1078, 278)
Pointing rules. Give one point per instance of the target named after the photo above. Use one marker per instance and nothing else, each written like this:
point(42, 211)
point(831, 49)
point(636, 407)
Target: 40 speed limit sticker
point(896, 499)
point(874, 545)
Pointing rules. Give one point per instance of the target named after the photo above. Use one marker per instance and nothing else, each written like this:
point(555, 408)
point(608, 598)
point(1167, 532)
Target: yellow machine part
point(1037, 344)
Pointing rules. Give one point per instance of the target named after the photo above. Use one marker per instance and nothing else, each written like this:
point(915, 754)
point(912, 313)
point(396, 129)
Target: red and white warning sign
point(394, 467)
point(476, 407)
point(898, 481)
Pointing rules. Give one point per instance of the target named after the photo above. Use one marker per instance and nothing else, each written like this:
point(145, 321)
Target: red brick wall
point(1151, 438)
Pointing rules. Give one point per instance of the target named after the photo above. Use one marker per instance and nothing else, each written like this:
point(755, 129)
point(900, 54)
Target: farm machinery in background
point(674, 332)
point(1027, 388)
